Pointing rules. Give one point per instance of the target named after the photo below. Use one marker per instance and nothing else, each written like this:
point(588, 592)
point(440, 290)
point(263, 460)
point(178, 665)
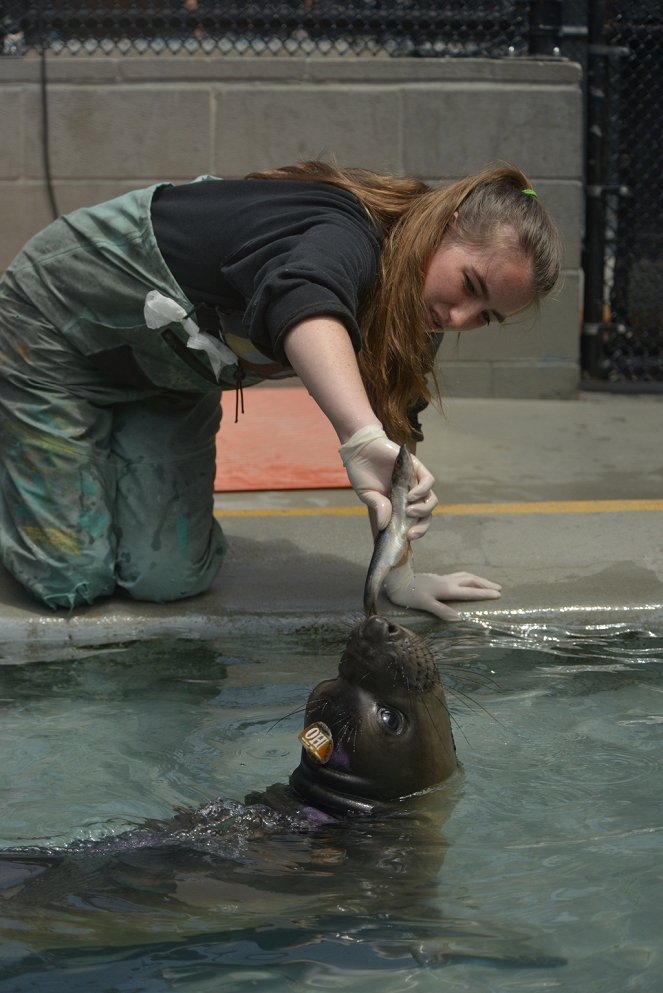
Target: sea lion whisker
point(293, 713)
point(356, 727)
point(323, 706)
point(452, 720)
point(347, 732)
point(466, 697)
point(457, 727)
point(470, 675)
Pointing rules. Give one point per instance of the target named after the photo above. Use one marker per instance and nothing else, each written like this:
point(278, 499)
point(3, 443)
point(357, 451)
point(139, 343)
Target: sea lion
point(385, 720)
point(376, 734)
point(340, 864)
point(387, 736)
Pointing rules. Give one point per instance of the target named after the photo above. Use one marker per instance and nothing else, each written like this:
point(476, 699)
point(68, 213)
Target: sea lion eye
point(391, 720)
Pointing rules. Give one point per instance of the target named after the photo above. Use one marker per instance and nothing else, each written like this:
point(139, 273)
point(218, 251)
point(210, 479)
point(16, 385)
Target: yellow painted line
point(464, 509)
point(292, 512)
point(554, 507)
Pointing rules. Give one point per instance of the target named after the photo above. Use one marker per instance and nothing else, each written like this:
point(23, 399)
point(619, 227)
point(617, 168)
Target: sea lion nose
point(380, 630)
point(377, 625)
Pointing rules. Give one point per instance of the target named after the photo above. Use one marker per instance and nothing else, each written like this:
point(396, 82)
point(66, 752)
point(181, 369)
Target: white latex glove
point(421, 508)
point(426, 591)
point(368, 457)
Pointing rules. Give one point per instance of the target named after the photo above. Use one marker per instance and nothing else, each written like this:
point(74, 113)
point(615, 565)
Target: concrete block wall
point(117, 123)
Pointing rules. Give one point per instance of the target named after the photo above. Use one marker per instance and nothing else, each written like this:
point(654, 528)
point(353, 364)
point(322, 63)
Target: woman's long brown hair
point(397, 357)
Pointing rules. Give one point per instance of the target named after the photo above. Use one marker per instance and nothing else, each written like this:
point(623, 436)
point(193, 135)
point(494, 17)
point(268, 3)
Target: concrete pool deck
point(560, 501)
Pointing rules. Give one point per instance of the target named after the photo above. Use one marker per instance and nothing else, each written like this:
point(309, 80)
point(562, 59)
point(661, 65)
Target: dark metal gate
point(622, 341)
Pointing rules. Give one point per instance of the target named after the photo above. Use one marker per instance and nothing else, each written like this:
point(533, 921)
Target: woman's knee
point(63, 583)
point(78, 594)
point(162, 575)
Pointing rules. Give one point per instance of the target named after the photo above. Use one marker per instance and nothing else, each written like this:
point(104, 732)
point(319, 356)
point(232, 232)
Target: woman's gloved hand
point(368, 457)
point(426, 591)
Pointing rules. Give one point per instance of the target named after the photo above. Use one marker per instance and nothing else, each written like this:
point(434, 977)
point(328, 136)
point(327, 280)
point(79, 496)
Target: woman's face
point(468, 287)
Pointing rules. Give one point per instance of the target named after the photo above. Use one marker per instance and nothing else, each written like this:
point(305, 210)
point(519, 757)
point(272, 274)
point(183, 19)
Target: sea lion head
point(380, 730)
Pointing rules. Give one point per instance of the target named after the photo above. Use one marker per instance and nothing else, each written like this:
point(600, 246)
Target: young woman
point(121, 323)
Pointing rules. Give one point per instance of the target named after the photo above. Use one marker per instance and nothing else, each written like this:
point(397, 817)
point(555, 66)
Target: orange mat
point(282, 441)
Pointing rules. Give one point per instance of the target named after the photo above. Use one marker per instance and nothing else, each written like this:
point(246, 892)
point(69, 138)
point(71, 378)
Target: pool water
point(539, 868)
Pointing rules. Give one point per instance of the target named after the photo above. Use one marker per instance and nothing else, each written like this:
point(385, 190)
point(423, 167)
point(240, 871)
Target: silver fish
point(391, 543)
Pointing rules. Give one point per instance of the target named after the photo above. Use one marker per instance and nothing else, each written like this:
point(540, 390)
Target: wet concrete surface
point(559, 501)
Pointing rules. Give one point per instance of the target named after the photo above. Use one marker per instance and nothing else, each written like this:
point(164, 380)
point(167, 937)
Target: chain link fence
point(622, 342)
point(280, 27)
point(619, 44)
point(632, 342)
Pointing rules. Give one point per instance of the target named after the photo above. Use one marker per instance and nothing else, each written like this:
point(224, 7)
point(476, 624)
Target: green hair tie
point(529, 192)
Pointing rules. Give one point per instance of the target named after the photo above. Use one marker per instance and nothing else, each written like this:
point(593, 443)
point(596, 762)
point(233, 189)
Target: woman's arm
point(321, 353)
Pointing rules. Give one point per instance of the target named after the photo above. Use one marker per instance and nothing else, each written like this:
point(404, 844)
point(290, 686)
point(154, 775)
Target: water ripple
point(609, 648)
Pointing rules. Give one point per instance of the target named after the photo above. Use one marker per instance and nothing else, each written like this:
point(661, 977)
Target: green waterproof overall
point(107, 427)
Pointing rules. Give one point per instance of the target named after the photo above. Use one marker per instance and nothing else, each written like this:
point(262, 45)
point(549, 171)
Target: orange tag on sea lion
point(318, 742)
